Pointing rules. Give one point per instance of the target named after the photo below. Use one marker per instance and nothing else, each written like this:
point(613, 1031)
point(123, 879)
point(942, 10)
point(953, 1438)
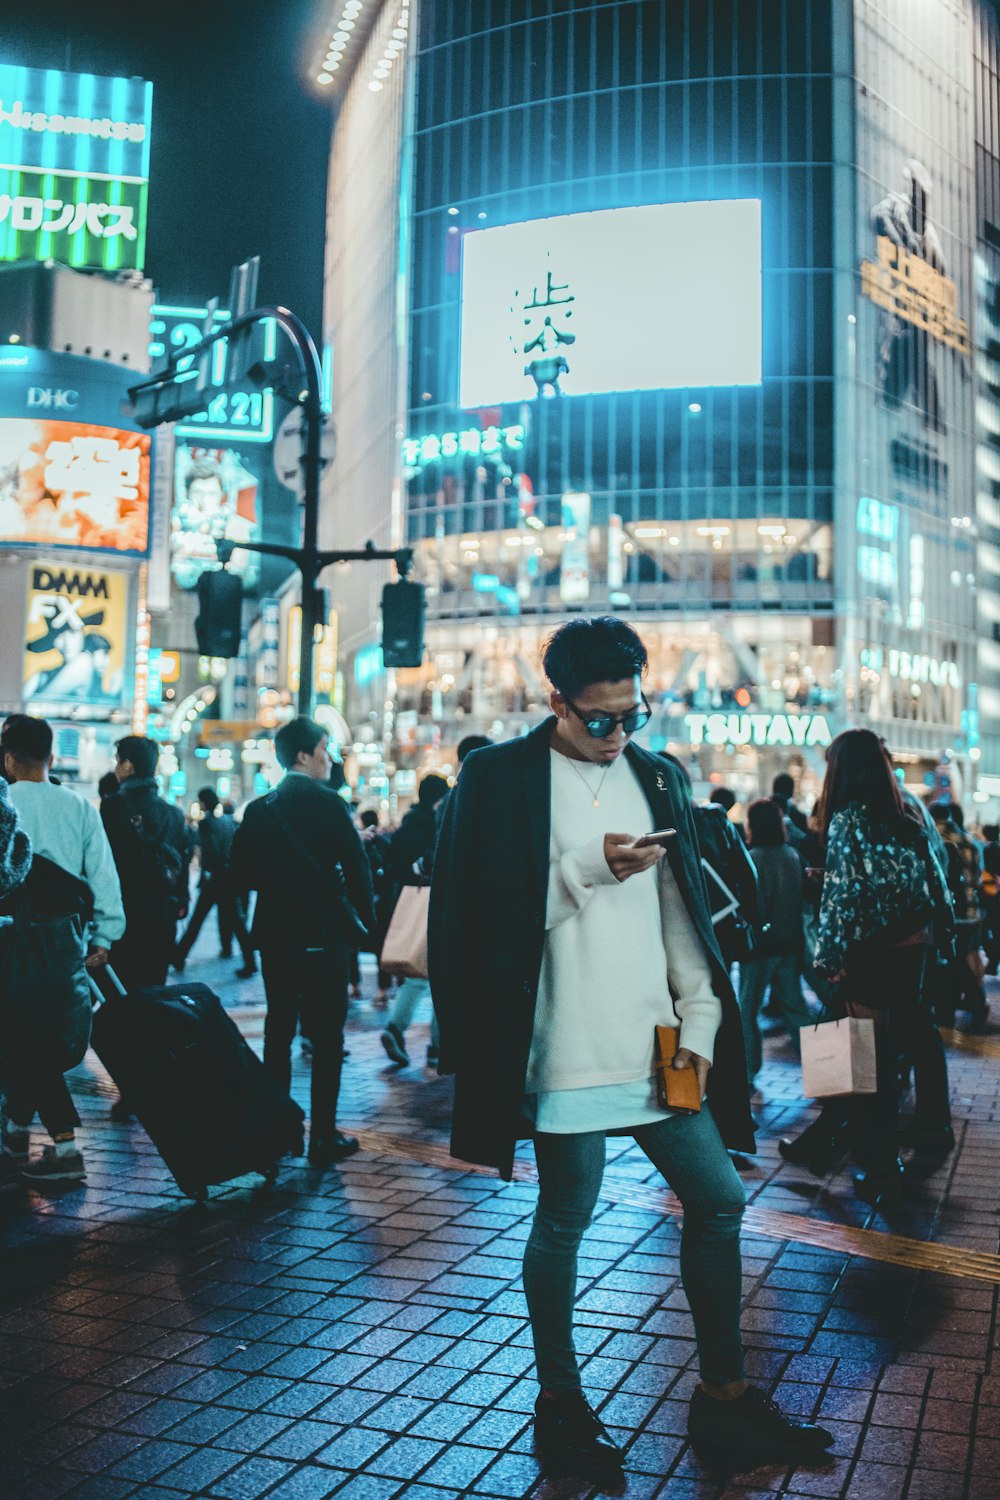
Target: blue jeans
point(408, 997)
point(689, 1153)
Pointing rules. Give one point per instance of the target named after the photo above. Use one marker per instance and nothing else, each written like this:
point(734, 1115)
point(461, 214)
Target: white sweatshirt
point(620, 957)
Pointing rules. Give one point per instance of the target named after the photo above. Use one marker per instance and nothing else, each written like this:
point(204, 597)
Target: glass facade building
point(801, 551)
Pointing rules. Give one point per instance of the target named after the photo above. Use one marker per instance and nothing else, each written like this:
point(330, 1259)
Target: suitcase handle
point(115, 985)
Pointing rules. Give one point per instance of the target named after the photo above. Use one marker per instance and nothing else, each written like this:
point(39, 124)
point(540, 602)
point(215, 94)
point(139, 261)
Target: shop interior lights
point(395, 46)
point(340, 40)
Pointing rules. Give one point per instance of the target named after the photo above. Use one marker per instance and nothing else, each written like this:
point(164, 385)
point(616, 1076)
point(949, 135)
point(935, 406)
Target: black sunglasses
point(599, 726)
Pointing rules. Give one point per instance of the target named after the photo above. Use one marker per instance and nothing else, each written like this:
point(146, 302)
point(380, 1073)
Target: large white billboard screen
point(658, 297)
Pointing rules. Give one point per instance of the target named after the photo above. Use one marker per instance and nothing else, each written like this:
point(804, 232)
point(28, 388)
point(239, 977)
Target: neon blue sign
point(241, 416)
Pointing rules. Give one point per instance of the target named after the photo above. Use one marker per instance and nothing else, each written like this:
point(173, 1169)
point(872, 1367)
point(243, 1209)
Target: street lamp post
point(165, 399)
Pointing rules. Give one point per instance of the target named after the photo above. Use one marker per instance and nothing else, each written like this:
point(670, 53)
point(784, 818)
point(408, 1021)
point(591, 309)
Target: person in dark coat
point(216, 833)
point(149, 842)
point(150, 845)
point(409, 858)
point(558, 941)
point(299, 849)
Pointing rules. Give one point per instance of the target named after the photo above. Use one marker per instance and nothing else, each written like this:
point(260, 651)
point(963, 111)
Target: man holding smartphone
point(568, 921)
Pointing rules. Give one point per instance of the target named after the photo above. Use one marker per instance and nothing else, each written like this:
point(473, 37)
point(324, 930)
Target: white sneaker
point(55, 1166)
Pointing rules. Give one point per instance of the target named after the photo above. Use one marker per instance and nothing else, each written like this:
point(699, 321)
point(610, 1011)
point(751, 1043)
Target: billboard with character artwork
point(76, 637)
point(215, 498)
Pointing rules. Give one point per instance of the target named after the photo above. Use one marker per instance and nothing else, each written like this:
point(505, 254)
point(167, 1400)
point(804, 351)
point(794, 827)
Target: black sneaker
point(570, 1438)
point(392, 1041)
point(752, 1430)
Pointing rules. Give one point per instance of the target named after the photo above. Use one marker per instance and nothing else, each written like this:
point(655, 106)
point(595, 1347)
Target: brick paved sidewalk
point(362, 1331)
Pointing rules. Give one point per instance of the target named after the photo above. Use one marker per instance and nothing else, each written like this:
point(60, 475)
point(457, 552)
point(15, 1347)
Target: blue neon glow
point(663, 296)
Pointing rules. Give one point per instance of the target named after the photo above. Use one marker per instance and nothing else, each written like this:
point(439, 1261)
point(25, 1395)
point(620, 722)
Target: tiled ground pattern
point(362, 1332)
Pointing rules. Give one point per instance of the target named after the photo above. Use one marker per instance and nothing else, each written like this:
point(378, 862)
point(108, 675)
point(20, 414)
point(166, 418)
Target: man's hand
point(97, 958)
point(624, 859)
point(684, 1058)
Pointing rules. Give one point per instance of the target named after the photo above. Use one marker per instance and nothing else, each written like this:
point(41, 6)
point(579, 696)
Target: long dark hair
point(858, 769)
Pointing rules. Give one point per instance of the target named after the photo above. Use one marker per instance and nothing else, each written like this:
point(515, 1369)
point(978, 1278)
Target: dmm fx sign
point(801, 730)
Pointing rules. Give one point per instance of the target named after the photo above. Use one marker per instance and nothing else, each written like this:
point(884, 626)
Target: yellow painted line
point(870, 1244)
point(979, 1046)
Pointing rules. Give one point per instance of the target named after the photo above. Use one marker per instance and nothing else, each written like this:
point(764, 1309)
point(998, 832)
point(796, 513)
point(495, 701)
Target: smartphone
point(662, 836)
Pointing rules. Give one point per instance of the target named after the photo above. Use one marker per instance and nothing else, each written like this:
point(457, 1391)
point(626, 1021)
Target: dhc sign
point(801, 730)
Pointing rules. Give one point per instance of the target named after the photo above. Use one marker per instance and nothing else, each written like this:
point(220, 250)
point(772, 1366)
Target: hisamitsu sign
point(74, 168)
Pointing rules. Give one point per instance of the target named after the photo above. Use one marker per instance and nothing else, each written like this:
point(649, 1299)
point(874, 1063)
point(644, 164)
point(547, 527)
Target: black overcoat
point(487, 933)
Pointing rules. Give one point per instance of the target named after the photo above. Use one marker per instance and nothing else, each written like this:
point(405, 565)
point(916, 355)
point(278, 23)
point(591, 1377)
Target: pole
point(308, 558)
point(310, 551)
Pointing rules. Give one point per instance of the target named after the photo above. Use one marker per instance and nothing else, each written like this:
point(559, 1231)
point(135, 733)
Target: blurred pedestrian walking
point(409, 859)
point(150, 845)
point(297, 847)
point(964, 873)
point(66, 833)
point(776, 965)
point(884, 913)
point(216, 888)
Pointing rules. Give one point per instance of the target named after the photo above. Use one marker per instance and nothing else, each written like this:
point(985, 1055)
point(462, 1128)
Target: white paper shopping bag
point(838, 1057)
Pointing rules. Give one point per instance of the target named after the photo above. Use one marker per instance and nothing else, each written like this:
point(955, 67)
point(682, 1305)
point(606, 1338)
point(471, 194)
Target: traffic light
point(219, 624)
point(403, 624)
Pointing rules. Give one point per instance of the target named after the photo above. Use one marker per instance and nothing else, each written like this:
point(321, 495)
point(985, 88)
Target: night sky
point(239, 142)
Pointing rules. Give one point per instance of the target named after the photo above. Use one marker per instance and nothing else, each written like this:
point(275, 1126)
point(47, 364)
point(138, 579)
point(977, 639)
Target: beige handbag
point(404, 952)
point(838, 1057)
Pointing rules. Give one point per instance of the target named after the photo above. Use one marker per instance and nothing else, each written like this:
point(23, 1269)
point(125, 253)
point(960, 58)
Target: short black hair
point(766, 823)
point(471, 742)
point(991, 832)
point(584, 651)
point(27, 738)
point(143, 753)
point(368, 818)
point(783, 785)
point(723, 796)
point(432, 789)
point(299, 736)
point(209, 798)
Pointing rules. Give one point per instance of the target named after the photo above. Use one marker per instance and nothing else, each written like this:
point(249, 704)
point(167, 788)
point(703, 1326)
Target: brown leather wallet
point(676, 1088)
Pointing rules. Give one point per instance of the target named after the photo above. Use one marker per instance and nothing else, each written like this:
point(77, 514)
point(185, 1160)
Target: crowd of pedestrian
point(580, 930)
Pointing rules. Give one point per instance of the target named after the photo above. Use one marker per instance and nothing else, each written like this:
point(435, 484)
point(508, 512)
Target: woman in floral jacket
point(884, 908)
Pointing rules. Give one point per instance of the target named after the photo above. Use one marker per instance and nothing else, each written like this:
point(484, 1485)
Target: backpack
point(161, 862)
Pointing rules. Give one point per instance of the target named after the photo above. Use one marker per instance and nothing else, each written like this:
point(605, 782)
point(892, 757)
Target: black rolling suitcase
point(203, 1096)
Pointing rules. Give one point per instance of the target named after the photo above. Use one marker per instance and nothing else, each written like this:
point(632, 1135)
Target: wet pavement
point(362, 1332)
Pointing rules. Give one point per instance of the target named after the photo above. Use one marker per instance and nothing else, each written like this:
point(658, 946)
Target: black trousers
point(218, 891)
point(42, 1091)
point(890, 986)
point(308, 985)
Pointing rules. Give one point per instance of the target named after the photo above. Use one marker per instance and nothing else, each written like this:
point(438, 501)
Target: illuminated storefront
point(692, 329)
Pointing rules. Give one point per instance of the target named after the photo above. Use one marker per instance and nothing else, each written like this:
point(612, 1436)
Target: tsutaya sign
point(758, 729)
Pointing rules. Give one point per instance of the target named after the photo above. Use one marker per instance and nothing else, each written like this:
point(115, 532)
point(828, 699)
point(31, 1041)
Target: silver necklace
point(596, 794)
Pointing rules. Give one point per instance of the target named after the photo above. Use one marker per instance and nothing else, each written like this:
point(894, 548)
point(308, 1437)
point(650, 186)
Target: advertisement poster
point(77, 636)
point(652, 297)
point(69, 484)
point(915, 419)
point(216, 497)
